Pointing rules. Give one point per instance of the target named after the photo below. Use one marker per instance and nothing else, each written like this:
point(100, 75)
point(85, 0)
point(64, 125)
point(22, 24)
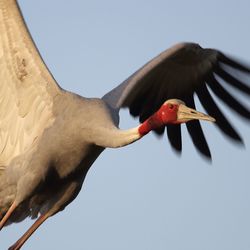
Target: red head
point(173, 111)
point(168, 112)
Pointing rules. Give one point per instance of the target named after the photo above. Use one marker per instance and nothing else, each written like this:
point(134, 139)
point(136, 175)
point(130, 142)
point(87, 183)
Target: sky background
point(144, 196)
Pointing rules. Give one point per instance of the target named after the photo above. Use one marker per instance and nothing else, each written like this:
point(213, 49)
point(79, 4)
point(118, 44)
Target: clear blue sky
point(143, 196)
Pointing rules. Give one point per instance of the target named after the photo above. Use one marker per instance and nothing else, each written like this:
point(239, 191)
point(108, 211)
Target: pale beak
point(186, 114)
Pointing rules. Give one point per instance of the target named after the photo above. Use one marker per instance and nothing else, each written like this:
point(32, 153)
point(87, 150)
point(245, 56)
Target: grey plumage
point(51, 137)
point(65, 151)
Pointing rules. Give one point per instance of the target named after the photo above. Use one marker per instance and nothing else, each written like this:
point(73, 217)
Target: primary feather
point(180, 72)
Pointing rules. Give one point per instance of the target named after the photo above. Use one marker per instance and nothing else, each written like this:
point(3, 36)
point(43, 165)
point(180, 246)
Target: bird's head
point(175, 111)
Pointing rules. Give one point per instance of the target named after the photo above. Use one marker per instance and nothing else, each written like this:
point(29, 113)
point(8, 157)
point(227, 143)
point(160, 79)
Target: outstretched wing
point(179, 72)
point(27, 88)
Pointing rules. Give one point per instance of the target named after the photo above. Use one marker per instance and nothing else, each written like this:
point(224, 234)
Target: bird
point(50, 137)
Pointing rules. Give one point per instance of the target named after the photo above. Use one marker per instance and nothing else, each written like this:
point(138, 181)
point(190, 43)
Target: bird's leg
point(7, 215)
point(63, 196)
point(29, 232)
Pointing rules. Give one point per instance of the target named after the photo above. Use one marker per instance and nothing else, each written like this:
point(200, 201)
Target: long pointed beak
point(186, 114)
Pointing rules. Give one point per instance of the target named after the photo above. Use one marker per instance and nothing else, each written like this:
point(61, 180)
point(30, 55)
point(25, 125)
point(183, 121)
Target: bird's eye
point(170, 106)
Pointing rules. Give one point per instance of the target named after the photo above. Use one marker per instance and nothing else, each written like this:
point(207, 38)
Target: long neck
point(114, 138)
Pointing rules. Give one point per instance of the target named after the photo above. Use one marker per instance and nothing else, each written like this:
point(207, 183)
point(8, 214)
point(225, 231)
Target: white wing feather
point(27, 89)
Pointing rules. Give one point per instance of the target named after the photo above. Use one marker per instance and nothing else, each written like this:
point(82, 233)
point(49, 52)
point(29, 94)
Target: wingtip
point(234, 63)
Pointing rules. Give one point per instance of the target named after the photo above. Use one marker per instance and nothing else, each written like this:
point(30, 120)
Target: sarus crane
point(50, 137)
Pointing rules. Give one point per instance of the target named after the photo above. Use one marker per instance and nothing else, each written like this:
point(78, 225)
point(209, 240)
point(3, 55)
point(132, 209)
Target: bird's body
point(51, 137)
point(65, 151)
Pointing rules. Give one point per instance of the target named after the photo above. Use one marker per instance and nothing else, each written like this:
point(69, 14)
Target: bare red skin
point(166, 114)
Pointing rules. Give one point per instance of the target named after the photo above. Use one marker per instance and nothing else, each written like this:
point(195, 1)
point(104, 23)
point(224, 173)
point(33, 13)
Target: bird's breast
point(77, 158)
